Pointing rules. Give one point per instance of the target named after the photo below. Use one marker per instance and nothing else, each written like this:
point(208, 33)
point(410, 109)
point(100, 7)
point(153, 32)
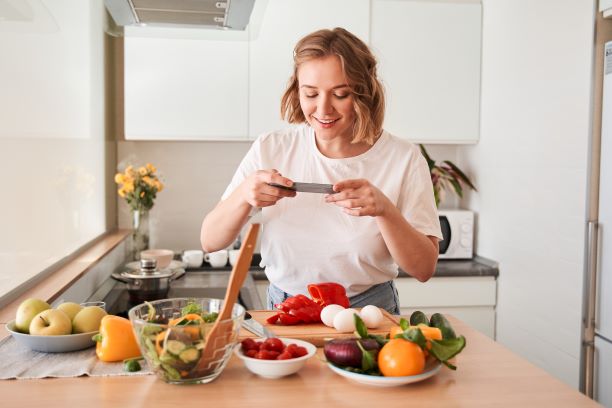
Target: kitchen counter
point(477, 266)
point(488, 375)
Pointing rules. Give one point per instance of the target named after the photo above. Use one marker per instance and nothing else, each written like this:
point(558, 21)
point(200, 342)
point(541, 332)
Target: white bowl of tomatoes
point(274, 357)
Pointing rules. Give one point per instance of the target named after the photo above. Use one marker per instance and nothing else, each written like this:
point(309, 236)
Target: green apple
point(70, 308)
point(88, 319)
point(51, 322)
point(26, 312)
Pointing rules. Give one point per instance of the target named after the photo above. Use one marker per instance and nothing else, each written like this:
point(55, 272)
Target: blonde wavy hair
point(359, 67)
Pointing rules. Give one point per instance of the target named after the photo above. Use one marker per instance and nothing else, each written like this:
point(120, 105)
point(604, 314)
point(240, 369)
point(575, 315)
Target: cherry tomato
point(285, 355)
point(267, 355)
point(300, 351)
point(291, 348)
point(249, 344)
point(273, 344)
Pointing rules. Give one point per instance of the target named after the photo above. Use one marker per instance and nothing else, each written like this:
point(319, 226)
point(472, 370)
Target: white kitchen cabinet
point(429, 54)
point(262, 291)
point(195, 84)
point(182, 87)
point(471, 299)
point(603, 373)
point(271, 51)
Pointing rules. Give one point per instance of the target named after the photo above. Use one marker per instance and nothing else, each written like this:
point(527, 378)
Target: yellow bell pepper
point(116, 340)
point(430, 333)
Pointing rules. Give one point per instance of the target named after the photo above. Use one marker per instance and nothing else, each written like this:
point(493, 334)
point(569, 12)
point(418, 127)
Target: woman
point(382, 213)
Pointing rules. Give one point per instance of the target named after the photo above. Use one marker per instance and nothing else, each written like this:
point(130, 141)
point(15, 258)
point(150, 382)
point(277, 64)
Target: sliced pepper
point(116, 340)
point(288, 319)
point(185, 320)
point(273, 319)
point(159, 342)
point(191, 319)
point(296, 309)
point(329, 293)
point(301, 309)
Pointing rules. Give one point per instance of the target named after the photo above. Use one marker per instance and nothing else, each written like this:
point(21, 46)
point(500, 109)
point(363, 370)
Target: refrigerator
point(596, 359)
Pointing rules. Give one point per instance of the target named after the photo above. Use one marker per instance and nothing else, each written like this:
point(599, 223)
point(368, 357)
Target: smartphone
point(308, 187)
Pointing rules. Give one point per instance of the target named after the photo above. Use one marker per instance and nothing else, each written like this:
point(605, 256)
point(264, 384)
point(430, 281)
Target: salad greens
point(175, 348)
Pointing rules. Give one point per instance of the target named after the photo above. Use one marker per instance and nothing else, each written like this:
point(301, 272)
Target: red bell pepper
point(296, 309)
point(300, 309)
point(328, 293)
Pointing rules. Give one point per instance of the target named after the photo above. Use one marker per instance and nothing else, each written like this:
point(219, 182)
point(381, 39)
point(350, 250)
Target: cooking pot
point(148, 283)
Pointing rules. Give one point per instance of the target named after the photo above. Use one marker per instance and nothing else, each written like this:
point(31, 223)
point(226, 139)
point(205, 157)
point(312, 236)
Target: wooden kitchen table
point(488, 375)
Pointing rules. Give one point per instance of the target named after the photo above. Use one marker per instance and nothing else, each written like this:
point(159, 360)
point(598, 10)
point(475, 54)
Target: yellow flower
point(148, 180)
point(130, 172)
point(141, 179)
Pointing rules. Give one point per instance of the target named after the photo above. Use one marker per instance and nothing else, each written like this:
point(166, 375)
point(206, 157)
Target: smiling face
point(326, 99)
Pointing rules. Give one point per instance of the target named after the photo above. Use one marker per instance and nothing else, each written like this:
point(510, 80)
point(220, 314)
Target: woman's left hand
point(359, 197)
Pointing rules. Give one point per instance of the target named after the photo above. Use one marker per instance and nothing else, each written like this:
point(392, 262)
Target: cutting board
point(316, 333)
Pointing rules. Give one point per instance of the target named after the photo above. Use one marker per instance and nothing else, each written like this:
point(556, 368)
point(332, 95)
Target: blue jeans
point(383, 295)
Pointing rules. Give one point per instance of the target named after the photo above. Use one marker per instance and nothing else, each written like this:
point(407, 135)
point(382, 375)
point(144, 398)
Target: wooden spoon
point(220, 334)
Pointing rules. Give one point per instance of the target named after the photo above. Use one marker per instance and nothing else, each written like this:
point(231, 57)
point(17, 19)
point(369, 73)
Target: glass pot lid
point(148, 270)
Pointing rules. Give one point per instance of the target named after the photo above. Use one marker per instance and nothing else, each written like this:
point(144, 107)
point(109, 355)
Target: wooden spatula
point(221, 332)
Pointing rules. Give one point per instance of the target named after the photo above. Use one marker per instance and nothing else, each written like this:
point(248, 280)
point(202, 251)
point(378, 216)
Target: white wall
point(194, 174)
point(531, 169)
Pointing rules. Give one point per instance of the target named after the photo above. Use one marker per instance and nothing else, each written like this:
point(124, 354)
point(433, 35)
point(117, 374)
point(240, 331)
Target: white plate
point(52, 344)
point(431, 368)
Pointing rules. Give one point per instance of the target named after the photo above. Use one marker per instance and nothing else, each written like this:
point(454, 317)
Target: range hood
point(224, 14)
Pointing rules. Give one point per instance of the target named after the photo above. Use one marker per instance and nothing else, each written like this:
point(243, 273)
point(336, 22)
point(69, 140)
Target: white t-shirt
point(305, 240)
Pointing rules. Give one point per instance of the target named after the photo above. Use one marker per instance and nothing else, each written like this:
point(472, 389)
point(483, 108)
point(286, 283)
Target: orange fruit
point(401, 357)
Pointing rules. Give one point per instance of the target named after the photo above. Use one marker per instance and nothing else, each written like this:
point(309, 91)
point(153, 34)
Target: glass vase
point(140, 232)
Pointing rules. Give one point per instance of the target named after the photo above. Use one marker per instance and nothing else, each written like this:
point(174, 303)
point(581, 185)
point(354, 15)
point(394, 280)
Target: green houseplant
point(446, 176)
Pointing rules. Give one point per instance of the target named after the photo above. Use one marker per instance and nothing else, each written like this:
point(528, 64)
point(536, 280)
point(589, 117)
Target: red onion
point(346, 352)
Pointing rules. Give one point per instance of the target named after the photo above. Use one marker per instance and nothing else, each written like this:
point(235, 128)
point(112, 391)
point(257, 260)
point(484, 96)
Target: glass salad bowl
point(172, 334)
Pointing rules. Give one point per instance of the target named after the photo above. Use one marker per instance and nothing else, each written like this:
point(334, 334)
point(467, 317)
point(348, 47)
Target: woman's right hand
point(257, 191)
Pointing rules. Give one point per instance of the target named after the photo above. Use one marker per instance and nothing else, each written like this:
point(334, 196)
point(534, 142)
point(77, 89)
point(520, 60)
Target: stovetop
point(205, 282)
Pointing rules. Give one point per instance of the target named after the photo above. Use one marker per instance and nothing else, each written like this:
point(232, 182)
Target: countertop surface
point(488, 375)
point(477, 266)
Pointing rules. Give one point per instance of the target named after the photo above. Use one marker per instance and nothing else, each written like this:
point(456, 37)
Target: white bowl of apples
point(69, 327)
